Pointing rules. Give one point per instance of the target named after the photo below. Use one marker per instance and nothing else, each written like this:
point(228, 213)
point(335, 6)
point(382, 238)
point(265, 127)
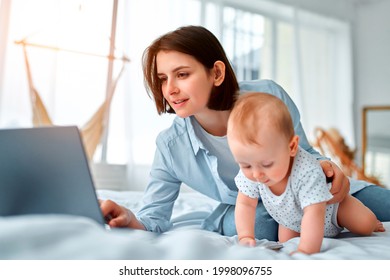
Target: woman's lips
point(179, 103)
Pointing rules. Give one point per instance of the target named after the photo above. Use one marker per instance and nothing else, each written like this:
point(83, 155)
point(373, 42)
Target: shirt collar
point(195, 141)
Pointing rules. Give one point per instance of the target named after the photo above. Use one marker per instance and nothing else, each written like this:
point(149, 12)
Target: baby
point(289, 180)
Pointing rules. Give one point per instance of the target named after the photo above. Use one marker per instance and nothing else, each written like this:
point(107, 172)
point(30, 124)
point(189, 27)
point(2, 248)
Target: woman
point(187, 73)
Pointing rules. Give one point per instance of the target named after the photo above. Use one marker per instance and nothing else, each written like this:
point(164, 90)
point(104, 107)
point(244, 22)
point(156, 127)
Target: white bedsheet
point(69, 237)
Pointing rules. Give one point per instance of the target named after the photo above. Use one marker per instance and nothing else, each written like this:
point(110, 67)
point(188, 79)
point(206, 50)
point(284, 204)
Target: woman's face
point(185, 82)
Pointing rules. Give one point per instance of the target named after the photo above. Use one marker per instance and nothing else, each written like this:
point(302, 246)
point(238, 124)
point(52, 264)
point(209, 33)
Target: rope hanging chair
point(93, 130)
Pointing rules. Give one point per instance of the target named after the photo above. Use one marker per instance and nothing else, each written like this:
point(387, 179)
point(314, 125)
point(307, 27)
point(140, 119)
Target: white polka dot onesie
point(306, 185)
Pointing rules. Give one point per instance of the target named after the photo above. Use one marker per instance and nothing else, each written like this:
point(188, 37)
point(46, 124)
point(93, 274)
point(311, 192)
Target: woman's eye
point(182, 75)
point(162, 79)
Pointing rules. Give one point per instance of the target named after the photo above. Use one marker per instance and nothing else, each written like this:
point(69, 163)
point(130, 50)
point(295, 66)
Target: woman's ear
point(219, 72)
point(294, 143)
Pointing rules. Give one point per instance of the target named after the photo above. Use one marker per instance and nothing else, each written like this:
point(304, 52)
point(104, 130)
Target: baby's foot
point(379, 227)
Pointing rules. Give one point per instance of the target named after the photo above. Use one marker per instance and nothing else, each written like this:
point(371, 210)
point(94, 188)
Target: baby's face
point(267, 162)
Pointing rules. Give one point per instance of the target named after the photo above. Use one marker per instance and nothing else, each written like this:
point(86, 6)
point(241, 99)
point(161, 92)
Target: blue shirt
point(181, 157)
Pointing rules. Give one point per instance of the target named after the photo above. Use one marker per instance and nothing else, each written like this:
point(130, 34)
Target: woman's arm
point(160, 194)
point(158, 200)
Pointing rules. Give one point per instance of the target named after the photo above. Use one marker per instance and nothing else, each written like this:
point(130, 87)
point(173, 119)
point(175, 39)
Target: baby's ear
point(294, 143)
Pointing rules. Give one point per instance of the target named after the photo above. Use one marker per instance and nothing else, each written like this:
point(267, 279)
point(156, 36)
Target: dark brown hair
point(200, 43)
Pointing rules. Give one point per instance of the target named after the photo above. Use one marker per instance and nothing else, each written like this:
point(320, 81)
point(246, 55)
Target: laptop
point(44, 170)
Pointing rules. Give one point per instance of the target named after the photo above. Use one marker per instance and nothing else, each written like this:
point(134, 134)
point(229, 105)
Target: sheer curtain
point(5, 6)
point(310, 55)
point(323, 73)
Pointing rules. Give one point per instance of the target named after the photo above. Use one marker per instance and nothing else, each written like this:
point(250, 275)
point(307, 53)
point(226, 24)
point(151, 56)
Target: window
point(243, 38)
point(67, 45)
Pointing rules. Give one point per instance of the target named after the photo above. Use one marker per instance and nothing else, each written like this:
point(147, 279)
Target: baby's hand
point(247, 241)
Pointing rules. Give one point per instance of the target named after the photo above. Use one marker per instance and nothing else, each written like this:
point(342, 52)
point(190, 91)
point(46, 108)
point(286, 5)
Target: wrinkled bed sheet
point(69, 237)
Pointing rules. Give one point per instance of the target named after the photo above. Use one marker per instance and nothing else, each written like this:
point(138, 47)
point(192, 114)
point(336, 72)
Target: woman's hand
point(340, 182)
point(119, 216)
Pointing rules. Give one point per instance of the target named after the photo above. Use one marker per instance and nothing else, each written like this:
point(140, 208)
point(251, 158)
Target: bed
point(62, 237)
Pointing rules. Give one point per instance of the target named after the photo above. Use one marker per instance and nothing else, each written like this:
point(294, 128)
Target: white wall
point(372, 46)
point(341, 9)
point(372, 57)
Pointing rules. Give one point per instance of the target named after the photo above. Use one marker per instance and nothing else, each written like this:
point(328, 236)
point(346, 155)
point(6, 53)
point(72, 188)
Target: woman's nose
point(171, 87)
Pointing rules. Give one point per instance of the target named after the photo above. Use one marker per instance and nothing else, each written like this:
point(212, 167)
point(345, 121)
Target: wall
point(372, 58)
point(341, 9)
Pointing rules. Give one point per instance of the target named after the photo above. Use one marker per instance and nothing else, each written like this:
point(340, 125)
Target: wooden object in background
point(331, 144)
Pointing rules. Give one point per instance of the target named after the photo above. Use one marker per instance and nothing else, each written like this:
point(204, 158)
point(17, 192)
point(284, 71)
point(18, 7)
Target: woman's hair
point(254, 109)
point(201, 44)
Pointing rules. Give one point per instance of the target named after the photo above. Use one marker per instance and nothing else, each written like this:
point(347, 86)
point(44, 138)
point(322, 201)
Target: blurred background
point(69, 58)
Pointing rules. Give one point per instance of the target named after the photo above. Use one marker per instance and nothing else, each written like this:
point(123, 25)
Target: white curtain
point(5, 7)
point(310, 56)
point(323, 73)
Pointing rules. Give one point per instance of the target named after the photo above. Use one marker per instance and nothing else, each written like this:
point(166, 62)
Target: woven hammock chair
point(92, 131)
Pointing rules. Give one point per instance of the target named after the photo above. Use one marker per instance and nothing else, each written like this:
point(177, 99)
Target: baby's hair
point(254, 109)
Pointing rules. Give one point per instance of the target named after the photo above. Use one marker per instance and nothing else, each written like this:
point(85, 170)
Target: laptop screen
point(44, 170)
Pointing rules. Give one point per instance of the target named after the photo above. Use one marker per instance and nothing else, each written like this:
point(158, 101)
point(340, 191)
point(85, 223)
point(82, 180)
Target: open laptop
point(45, 170)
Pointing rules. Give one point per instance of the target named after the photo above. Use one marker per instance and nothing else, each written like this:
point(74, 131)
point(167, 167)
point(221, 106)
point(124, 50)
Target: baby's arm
point(286, 234)
point(312, 228)
point(245, 214)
